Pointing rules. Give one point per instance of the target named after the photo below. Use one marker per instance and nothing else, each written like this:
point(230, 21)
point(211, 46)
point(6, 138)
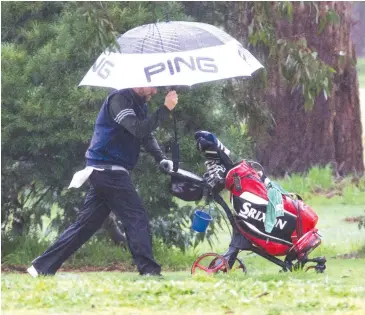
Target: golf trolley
point(293, 235)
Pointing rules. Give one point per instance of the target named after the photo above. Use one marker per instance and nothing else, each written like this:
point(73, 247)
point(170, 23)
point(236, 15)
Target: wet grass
point(262, 291)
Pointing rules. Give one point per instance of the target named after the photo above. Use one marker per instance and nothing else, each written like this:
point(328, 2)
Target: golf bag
point(294, 234)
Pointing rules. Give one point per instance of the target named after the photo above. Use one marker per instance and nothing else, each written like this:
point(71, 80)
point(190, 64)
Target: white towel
point(81, 177)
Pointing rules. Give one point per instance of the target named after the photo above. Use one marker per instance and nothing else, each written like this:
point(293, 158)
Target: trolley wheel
point(321, 264)
point(210, 263)
point(317, 268)
point(238, 264)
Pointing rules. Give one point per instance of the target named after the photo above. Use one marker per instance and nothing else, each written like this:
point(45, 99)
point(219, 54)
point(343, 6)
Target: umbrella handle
point(175, 147)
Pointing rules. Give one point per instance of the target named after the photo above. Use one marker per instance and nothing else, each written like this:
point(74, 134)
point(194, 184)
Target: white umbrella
point(170, 54)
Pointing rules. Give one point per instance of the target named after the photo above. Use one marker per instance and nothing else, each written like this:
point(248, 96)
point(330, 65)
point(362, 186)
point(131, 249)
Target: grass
point(262, 291)
point(319, 181)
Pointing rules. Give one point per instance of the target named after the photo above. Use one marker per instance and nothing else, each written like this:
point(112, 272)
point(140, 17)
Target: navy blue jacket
point(121, 127)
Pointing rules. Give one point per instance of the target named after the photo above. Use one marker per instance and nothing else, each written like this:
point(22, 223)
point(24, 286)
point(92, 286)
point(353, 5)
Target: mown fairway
point(341, 289)
point(263, 291)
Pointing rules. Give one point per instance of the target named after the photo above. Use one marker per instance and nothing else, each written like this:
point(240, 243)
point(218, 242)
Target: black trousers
point(109, 191)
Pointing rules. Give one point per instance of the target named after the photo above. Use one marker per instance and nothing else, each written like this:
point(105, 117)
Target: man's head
point(146, 92)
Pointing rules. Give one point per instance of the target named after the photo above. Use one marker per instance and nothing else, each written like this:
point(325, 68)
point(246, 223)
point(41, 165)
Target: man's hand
point(166, 165)
point(171, 100)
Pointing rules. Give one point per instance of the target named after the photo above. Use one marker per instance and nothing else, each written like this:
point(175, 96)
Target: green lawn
point(262, 291)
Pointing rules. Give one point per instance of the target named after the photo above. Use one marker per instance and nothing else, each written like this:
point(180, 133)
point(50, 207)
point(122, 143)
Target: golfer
point(121, 127)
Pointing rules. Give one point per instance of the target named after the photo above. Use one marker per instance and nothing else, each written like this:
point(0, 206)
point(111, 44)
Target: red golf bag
point(294, 234)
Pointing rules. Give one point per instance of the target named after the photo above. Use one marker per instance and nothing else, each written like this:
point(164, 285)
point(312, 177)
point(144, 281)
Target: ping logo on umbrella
point(179, 64)
point(103, 68)
point(178, 52)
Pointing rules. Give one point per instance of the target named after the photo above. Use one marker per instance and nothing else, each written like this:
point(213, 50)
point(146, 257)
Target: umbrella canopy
point(169, 54)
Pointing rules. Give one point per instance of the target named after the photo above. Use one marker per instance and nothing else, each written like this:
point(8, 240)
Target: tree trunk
point(331, 132)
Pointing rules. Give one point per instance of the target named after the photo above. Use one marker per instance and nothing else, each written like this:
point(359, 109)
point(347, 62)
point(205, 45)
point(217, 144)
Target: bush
point(320, 178)
point(20, 250)
point(319, 182)
point(96, 252)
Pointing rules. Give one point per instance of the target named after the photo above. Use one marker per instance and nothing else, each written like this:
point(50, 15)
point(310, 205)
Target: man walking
point(121, 127)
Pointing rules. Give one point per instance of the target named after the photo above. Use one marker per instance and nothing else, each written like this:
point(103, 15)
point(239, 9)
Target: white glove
point(166, 165)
